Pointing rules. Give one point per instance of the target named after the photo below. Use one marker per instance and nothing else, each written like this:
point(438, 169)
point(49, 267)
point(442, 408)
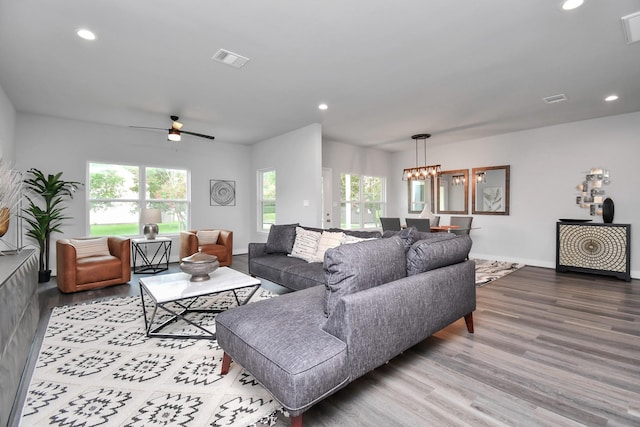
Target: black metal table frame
point(185, 309)
point(151, 265)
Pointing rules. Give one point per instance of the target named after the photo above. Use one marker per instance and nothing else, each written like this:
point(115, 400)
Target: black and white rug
point(97, 367)
point(488, 271)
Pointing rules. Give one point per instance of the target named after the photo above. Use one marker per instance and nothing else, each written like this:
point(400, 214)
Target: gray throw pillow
point(281, 239)
point(436, 252)
point(359, 266)
point(408, 236)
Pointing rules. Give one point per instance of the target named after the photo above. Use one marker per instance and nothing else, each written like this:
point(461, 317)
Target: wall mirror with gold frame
point(490, 192)
point(453, 192)
point(420, 192)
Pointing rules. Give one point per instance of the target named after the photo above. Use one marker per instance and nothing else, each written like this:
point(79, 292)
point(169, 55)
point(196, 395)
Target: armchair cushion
point(90, 247)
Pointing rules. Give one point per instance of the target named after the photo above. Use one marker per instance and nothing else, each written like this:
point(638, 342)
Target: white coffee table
point(175, 294)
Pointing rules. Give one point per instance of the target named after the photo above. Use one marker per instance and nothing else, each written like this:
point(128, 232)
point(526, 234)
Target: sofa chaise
point(379, 298)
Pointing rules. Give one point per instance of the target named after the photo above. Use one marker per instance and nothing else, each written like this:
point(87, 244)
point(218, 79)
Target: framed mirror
point(453, 192)
point(490, 194)
point(420, 192)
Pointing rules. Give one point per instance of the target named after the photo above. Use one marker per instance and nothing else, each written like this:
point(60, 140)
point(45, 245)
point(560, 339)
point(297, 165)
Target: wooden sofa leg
point(468, 319)
point(226, 361)
point(296, 421)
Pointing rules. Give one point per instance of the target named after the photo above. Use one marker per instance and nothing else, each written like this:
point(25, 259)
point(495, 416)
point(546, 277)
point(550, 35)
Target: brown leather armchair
point(223, 248)
point(96, 271)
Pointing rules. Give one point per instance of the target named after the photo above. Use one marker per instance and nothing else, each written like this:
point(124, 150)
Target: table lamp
point(150, 217)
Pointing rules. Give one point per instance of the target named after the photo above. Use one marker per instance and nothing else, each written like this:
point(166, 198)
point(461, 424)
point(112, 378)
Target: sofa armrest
point(257, 249)
point(65, 263)
point(376, 330)
point(188, 243)
point(120, 248)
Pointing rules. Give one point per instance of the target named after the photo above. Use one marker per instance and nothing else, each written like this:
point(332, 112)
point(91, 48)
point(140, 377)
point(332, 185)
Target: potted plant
point(44, 212)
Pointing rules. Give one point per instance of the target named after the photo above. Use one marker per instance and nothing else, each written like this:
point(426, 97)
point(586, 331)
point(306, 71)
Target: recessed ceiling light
point(611, 98)
point(571, 4)
point(86, 34)
point(323, 106)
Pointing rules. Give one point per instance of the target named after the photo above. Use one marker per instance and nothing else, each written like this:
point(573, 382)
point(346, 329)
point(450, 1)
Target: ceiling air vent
point(555, 98)
point(230, 58)
point(631, 27)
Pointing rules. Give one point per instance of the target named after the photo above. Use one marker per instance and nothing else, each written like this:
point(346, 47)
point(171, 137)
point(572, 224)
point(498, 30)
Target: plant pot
point(44, 276)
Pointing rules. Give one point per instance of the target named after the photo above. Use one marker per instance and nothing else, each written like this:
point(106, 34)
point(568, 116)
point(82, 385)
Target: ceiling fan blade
point(150, 128)
point(198, 134)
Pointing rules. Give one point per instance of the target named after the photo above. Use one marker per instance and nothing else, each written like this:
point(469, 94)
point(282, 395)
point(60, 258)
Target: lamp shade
point(150, 216)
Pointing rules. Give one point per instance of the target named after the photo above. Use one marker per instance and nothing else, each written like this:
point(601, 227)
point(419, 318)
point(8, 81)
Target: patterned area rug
point(488, 271)
point(97, 367)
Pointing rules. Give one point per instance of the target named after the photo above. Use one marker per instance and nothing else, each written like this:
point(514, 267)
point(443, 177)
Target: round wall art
point(222, 193)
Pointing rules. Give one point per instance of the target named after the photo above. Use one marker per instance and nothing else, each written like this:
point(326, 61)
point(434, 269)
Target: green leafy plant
point(44, 212)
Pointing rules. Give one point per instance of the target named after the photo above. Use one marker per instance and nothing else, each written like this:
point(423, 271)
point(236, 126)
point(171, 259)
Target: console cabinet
point(594, 248)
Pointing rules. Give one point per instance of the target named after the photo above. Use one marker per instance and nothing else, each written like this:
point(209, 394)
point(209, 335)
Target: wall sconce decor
point(591, 192)
point(421, 172)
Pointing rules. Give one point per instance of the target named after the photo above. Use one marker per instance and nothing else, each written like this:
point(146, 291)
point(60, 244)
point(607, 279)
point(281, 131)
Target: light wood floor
point(549, 349)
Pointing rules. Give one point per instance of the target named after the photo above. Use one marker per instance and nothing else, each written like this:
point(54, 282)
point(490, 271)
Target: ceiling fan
point(175, 131)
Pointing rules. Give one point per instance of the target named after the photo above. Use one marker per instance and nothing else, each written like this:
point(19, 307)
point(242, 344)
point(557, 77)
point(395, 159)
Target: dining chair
point(392, 224)
point(464, 222)
point(421, 224)
point(435, 221)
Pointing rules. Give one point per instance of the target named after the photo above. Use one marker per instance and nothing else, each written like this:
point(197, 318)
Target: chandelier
point(421, 172)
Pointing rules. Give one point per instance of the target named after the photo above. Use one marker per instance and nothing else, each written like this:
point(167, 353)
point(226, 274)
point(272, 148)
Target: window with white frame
point(362, 201)
point(267, 198)
point(117, 193)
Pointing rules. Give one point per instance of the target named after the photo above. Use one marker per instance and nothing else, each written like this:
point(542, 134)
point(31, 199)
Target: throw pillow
point(207, 237)
point(328, 240)
point(354, 268)
point(91, 247)
point(348, 239)
point(281, 239)
point(306, 244)
point(436, 252)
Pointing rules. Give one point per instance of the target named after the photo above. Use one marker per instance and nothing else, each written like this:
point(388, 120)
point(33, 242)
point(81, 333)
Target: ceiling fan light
point(174, 135)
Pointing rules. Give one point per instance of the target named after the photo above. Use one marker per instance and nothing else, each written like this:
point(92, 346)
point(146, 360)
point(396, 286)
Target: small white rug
point(488, 271)
point(97, 367)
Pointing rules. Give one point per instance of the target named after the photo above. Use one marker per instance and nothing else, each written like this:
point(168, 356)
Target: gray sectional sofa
point(377, 299)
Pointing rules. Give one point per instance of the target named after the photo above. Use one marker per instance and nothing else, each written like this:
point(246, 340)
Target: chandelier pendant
point(421, 172)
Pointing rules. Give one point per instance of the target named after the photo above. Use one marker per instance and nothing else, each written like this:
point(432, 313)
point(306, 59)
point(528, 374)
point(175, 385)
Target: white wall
point(297, 159)
point(546, 165)
point(58, 145)
point(344, 158)
point(7, 128)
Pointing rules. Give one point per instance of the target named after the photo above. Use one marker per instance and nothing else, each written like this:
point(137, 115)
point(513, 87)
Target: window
point(267, 198)
point(362, 201)
point(117, 193)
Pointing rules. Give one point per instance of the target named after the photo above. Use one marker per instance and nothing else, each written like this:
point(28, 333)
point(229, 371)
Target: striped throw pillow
point(305, 244)
point(207, 237)
point(328, 240)
point(90, 247)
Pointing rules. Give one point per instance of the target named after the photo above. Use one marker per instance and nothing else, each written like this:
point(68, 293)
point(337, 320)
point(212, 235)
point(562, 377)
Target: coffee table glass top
point(176, 286)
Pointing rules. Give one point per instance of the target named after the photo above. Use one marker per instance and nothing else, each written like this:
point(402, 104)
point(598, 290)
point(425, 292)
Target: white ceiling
point(457, 69)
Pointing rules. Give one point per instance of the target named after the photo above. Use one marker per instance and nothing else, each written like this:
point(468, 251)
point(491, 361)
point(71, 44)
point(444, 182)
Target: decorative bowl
point(199, 266)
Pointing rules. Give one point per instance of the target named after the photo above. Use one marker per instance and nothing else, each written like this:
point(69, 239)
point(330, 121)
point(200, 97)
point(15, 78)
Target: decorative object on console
point(421, 172)
point(222, 193)
point(607, 211)
point(150, 217)
point(199, 265)
point(10, 197)
point(591, 192)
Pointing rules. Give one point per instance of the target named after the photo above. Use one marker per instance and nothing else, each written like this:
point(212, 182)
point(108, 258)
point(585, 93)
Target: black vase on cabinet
point(607, 211)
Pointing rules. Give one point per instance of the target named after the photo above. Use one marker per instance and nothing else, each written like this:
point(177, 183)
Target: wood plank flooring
point(549, 349)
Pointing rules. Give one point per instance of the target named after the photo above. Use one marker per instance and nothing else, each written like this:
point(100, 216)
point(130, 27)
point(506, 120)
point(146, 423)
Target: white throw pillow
point(328, 240)
point(207, 237)
point(90, 247)
point(347, 239)
point(305, 244)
